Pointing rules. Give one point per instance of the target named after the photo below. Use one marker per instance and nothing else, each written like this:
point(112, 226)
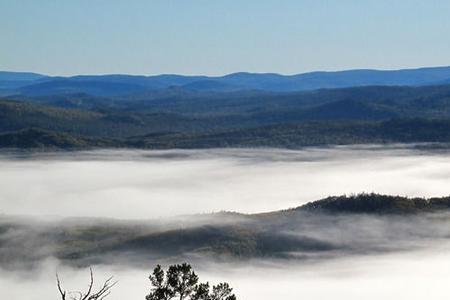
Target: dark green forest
point(180, 117)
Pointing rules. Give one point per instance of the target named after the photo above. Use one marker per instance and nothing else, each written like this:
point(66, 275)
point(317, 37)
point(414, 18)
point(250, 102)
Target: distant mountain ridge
point(235, 110)
point(12, 80)
point(118, 85)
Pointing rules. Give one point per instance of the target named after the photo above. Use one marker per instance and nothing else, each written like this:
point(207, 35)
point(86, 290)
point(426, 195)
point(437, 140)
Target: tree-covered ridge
point(18, 115)
point(118, 84)
point(277, 136)
point(347, 225)
point(176, 118)
point(379, 204)
point(34, 138)
point(307, 134)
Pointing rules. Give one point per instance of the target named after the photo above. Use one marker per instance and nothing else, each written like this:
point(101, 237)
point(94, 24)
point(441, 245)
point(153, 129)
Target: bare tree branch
point(101, 294)
point(90, 286)
point(58, 283)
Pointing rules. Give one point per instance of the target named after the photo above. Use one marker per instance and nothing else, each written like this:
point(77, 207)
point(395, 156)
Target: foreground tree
point(181, 282)
point(101, 294)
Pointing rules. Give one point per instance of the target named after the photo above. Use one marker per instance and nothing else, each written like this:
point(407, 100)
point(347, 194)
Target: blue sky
point(214, 37)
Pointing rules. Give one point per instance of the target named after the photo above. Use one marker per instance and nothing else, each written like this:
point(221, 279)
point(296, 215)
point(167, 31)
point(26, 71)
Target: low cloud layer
point(148, 184)
point(414, 276)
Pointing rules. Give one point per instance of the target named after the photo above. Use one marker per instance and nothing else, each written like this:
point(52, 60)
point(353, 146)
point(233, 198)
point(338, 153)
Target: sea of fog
point(412, 275)
point(149, 184)
point(152, 184)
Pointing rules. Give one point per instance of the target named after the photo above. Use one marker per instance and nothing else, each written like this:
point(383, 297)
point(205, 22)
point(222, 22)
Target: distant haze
point(149, 184)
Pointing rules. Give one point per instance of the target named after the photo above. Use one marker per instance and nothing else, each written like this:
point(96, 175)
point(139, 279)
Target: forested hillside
point(180, 117)
point(366, 223)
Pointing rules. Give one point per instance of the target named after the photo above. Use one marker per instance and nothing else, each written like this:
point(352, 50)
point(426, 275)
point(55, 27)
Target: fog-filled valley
point(237, 215)
point(416, 276)
point(151, 184)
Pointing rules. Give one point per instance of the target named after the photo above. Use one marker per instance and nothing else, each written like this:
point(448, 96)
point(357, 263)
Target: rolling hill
point(335, 226)
point(180, 119)
point(173, 111)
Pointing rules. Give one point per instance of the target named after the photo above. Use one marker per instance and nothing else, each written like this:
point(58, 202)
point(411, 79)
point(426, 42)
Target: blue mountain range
point(33, 84)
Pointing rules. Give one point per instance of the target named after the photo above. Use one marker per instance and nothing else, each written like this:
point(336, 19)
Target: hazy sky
point(218, 37)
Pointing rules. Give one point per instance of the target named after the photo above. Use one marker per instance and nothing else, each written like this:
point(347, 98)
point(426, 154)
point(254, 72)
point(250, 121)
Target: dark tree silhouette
point(181, 282)
point(101, 294)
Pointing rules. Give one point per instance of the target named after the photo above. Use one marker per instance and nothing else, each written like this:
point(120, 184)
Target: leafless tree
point(101, 294)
